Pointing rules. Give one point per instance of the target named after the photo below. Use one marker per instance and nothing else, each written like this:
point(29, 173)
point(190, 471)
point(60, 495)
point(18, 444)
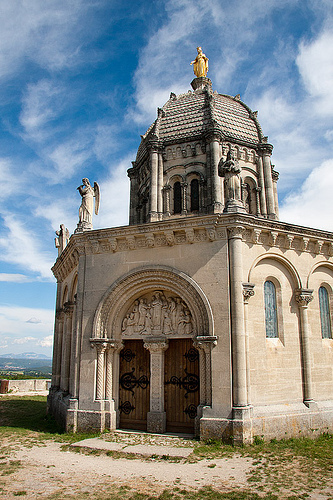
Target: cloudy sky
point(80, 80)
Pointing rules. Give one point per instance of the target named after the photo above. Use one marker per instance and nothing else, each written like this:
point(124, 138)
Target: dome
point(189, 116)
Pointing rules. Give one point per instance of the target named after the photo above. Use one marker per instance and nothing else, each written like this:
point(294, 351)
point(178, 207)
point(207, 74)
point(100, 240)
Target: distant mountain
point(25, 355)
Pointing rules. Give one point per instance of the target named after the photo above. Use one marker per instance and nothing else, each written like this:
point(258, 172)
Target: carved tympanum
point(158, 313)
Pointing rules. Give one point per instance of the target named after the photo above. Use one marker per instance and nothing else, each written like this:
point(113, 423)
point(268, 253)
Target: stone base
point(156, 422)
point(234, 207)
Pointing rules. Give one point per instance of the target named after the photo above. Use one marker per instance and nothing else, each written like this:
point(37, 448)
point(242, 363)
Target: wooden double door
point(181, 385)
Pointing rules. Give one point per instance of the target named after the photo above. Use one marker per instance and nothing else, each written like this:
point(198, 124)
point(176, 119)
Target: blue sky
point(80, 80)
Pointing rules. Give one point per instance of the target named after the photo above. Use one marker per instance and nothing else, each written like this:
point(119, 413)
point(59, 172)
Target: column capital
point(156, 345)
point(303, 297)
point(68, 308)
point(236, 232)
point(248, 291)
point(105, 344)
point(205, 342)
point(265, 148)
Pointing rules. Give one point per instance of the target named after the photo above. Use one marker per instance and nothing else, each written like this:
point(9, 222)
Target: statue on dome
point(230, 170)
point(86, 209)
point(200, 64)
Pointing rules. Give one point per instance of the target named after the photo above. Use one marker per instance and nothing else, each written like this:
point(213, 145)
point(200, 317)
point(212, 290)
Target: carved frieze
point(157, 313)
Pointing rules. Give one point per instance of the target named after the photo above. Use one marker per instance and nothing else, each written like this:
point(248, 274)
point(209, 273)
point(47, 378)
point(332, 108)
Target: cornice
point(191, 230)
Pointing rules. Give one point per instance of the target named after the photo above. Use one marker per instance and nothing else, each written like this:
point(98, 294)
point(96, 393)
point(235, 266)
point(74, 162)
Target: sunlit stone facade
point(205, 314)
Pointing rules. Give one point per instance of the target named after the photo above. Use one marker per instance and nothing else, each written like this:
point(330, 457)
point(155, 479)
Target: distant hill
point(25, 355)
point(17, 364)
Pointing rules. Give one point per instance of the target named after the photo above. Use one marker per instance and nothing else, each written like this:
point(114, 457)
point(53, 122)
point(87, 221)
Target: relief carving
point(157, 314)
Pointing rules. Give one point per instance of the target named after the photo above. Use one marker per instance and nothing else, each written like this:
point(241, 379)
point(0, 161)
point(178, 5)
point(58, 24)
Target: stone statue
point(200, 64)
point(62, 238)
point(230, 170)
point(88, 194)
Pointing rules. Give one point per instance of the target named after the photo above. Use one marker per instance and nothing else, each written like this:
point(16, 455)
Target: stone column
point(153, 148)
point(248, 292)
point(57, 348)
point(205, 346)
point(132, 174)
point(66, 348)
point(241, 412)
point(303, 297)
point(156, 418)
point(160, 186)
point(215, 155)
point(184, 198)
point(167, 190)
point(262, 187)
point(257, 191)
point(275, 177)
point(266, 151)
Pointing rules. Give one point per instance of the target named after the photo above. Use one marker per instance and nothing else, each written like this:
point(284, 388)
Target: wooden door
point(134, 374)
point(181, 383)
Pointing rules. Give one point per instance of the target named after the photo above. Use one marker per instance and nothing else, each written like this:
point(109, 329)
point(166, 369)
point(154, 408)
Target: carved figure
point(200, 64)
point(62, 238)
point(160, 315)
point(86, 209)
point(230, 170)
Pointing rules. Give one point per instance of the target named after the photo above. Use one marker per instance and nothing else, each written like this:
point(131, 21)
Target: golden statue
point(200, 64)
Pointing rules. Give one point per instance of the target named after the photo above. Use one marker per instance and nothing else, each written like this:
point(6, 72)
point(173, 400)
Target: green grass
point(289, 469)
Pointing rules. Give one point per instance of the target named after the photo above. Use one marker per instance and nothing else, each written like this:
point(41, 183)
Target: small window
point(177, 198)
point(194, 195)
point(271, 323)
point(325, 317)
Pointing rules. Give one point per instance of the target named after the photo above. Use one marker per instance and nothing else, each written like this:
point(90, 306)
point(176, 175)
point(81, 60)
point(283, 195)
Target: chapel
point(206, 314)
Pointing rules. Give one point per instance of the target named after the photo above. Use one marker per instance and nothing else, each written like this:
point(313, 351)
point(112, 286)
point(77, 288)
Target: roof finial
point(200, 64)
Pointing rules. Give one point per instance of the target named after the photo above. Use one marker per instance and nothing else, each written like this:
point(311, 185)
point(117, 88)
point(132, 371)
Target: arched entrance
point(158, 326)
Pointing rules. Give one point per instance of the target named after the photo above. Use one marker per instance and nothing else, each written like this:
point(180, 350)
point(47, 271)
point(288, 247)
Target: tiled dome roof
point(191, 115)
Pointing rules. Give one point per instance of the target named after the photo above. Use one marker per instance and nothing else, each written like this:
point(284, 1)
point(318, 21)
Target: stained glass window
point(325, 317)
point(271, 323)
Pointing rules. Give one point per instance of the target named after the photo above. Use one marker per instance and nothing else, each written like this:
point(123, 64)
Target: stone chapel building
point(206, 314)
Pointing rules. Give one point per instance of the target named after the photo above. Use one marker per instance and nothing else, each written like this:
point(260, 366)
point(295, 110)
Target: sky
point(80, 80)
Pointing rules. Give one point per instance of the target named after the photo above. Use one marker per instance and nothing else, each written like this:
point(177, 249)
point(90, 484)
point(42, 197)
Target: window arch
point(177, 198)
point(271, 323)
point(194, 195)
point(325, 316)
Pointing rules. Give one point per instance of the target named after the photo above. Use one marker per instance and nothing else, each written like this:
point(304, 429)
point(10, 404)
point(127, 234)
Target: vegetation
point(290, 469)
point(24, 375)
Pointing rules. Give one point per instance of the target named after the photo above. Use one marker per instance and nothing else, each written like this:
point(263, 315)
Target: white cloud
point(20, 246)
point(315, 63)
point(34, 320)
point(14, 278)
point(24, 340)
point(10, 183)
point(115, 197)
point(312, 204)
point(46, 341)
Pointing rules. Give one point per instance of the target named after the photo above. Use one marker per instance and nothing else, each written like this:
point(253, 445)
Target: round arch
point(117, 299)
point(279, 258)
point(323, 263)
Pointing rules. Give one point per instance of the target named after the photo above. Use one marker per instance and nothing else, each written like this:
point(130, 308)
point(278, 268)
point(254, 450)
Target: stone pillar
point(160, 186)
point(184, 198)
point(242, 425)
point(275, 177)
point(262, 187)
point(257, 191)
point(66, 347)
point(248, 292)
point(57, 348)
point(153, 216)
point(215, 155)
point(266, 151)
point(205, 345)
point(167, 190)
point(101, 348)
point(156, 418)
point(132, 174)
point(303, 297)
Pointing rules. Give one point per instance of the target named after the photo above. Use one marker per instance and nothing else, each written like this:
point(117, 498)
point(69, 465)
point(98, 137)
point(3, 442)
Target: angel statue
point(200, 64)
point(88, 194)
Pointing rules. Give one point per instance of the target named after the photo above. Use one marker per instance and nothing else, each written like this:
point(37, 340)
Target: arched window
point(177, 198)
point(325, 317)
point(271, 323)
point(194, 195)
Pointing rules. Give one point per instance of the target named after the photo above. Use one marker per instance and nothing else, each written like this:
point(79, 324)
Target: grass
point(291, 469)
